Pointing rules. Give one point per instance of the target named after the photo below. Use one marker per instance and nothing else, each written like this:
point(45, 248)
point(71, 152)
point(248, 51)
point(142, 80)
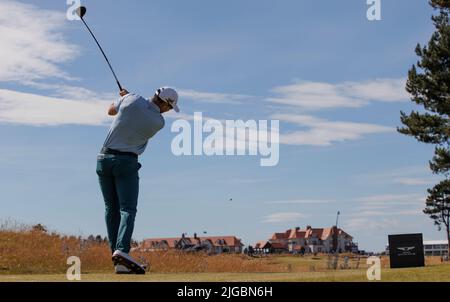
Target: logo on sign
point(406, 251)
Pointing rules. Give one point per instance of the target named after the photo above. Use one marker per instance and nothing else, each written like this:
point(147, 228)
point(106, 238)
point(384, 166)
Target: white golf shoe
point(122, 270)
point(121, 258)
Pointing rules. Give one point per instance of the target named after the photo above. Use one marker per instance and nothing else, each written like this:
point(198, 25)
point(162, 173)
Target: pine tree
point(438, 205)
point(429, 85)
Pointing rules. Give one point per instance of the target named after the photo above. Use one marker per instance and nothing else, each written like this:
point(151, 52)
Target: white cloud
point(72, 92)
point(36, 110)
point(378, 90)
point(318, 95)
point(388, 205)
point(384, 213)
point(361, 224)
point(408, 176)
point(378, 213)
point(248, 181)
point(32, 46)
point(413, 181)
point(283, 217)
point(300, 201)
point(391, 198)
point(210, 97)
point(324, 133)
point(313, 95)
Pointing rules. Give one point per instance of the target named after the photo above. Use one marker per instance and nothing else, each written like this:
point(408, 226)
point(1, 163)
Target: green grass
point(425, 274)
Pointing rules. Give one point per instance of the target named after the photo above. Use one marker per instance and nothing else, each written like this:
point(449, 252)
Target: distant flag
point(337, 217)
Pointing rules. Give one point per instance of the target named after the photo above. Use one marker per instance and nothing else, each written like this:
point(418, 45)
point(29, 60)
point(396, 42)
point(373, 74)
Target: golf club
point(81, 11)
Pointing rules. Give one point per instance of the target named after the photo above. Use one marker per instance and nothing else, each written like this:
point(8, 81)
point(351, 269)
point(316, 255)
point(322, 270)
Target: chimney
point(335, 234)
point(297, 229)
point(195, 235)
point(182, 236)
point(308, 227)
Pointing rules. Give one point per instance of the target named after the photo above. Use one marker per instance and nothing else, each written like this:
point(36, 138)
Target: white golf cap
point(170, 96)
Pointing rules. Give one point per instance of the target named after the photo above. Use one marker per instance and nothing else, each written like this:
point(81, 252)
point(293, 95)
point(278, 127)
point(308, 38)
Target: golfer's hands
point(124, 92)
point(112, 111)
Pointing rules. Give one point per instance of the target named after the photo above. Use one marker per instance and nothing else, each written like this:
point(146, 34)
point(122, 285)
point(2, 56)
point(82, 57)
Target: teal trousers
point(119, 182)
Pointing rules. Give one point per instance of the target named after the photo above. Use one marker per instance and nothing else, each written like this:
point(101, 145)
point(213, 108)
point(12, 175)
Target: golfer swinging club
point(136, 121)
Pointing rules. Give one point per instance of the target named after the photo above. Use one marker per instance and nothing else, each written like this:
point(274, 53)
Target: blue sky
point(333, 79)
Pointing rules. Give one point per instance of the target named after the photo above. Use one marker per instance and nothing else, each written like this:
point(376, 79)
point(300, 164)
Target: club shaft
point(104, 55)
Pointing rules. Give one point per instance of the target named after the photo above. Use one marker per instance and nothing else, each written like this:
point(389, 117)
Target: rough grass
point(27, 251)
point(27, 255)
point(34, 252)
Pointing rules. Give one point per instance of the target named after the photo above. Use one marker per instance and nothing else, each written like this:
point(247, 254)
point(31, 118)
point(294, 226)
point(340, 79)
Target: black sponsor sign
point(406, 250)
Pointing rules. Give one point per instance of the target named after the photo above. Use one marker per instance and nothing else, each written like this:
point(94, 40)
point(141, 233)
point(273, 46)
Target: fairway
point(426, 274)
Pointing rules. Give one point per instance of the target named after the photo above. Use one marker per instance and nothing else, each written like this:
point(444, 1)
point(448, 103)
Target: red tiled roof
point(153, 242)
point(341, 232)
point(326, 232)
point(296, 233)
point(278, 236)
point(314, 233)
point(320, 233)
point(229, 240)
point(215, 240)
point(278, 245)
point(261, 244)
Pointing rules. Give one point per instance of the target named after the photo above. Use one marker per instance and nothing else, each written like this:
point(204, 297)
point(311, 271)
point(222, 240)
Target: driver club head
point(81, 11)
